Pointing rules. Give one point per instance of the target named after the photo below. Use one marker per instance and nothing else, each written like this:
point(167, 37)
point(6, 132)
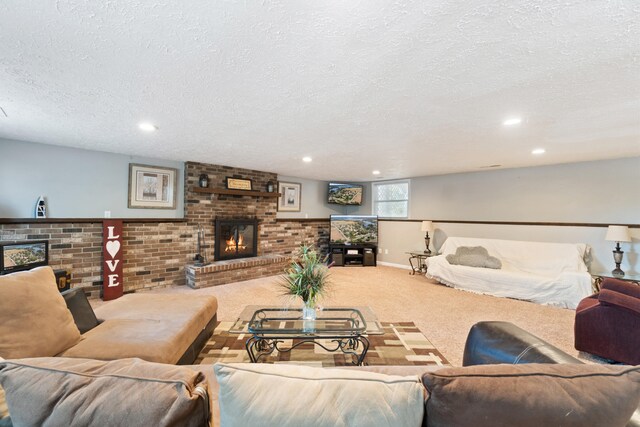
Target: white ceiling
point(409, 88)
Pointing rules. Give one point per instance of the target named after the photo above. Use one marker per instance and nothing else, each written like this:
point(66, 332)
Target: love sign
point(112, 286)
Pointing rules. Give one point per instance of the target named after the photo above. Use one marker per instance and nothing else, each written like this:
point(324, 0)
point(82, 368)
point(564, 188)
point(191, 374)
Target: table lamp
point(618, 233)
point(427, 226)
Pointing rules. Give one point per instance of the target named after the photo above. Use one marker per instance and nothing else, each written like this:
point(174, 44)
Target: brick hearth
point(234, 270)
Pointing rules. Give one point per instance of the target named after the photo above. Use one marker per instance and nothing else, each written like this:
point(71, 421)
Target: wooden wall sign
point(239, 184)
point(112, 260)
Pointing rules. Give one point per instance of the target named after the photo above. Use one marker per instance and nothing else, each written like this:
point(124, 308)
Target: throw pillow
point(532, 395)
point(290, 395)
point(83, 315)
point(60, 391)
point(474, 256)
point(34, 320)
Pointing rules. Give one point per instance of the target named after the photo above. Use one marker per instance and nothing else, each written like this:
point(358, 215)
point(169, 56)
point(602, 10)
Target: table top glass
point(421, 254)
point(627, 276)
point(260, 320)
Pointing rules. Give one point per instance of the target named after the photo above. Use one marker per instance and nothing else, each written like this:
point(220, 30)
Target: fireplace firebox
point(235, 238)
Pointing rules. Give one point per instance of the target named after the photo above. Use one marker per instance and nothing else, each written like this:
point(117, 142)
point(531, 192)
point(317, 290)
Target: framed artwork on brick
point(290, 195)
point(152, 187)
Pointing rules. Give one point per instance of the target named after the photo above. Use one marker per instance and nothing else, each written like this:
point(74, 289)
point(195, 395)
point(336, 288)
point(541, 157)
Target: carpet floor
point(444, 315)
point(401, 344)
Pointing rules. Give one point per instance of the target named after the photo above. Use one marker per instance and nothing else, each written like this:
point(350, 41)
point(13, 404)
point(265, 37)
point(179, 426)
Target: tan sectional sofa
point(36, 321)
point(154, 327)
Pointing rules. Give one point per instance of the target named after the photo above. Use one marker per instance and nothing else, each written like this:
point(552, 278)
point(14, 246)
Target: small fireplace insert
point(235, 238)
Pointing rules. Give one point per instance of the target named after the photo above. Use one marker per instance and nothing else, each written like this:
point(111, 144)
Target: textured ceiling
point(409, 88)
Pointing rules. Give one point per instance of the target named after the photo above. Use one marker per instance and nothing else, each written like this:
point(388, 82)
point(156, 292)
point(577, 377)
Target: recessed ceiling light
point(376, 172)
point(538, 151)
point(307, 159)
point(512, 121)
point(147, 127)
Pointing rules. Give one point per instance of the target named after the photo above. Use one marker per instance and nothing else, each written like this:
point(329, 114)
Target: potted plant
point(307, 277)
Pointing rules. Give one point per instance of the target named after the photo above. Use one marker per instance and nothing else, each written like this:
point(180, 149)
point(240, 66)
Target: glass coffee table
point(342, 329)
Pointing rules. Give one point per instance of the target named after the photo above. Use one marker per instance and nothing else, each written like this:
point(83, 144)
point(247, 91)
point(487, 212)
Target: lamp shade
point(427, 226)
point(618, 233)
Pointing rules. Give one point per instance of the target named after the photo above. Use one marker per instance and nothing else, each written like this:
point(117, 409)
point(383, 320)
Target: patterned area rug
point(401, 344)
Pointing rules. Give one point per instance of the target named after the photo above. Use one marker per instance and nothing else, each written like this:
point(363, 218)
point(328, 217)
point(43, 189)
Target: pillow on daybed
point(532, 395)
point(289, 395)
point(474, 256)
point(34, 319)
point(84, 392)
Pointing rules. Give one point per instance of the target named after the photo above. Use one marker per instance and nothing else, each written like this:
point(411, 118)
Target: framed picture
point(152, 187)
point(239, 184)
point(290, 193)
point(23, 255)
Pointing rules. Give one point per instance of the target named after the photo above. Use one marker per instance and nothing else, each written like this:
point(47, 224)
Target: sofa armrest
point(504, 342)
point(78, 304)
point(609, 297)
point(621, 286)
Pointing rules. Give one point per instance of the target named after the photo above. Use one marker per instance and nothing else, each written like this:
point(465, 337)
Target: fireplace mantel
point(227, 192)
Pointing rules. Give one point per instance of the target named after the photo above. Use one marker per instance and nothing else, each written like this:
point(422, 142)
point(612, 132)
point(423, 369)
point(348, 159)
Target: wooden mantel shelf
point(234, 192)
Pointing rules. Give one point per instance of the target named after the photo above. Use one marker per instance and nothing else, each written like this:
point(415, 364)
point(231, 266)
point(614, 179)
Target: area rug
point(401, 344)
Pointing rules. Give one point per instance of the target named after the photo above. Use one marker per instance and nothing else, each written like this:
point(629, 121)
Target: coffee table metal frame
point(344, 327)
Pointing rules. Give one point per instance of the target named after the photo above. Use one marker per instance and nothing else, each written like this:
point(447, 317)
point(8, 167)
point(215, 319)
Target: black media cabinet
point(363, 255)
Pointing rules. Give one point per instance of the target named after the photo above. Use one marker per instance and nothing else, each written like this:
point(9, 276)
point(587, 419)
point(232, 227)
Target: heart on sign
point(113, 248)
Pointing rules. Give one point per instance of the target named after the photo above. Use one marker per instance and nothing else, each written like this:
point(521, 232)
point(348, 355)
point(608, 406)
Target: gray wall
point(76, 183)
point(604, 192)
point(314, 200)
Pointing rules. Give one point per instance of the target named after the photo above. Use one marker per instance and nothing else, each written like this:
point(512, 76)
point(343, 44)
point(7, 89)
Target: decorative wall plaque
point(112, 260)
point(239, 184)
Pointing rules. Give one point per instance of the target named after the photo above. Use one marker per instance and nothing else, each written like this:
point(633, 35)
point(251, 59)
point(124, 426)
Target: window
point(391, 199)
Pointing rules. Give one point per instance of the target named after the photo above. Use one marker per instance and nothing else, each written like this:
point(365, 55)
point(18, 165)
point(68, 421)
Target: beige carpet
point(444, 315)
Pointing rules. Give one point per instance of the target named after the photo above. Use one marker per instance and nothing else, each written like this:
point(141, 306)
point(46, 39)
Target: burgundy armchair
point(608, 323)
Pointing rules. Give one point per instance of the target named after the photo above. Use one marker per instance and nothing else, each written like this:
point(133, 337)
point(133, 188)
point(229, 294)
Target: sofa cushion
point(34, 320)
point(61, 391)
point(153, 327)
point(474, 256)
point(532, 395)
point(290, 395)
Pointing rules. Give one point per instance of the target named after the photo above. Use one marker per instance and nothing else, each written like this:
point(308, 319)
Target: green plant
point(307, 276)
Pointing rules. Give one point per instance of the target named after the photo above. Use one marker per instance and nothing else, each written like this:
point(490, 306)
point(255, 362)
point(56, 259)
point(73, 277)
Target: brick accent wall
point(156, 253)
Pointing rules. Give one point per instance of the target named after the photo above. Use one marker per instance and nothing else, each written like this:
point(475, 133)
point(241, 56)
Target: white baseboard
point(393, 264)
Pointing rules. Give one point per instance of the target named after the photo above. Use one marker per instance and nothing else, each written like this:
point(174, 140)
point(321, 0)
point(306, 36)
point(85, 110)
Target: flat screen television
point(345, 194)
point(354, 229)
point(23, 255)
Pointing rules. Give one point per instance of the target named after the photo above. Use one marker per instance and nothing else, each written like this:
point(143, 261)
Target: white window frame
point(374, 193)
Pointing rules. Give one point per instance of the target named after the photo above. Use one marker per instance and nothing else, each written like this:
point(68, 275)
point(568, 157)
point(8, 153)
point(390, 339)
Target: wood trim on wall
point(302, 219)
point(85, 220)
point(545, 224)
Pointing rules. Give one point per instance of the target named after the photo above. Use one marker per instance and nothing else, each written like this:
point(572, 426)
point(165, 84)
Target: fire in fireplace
point(235, 238)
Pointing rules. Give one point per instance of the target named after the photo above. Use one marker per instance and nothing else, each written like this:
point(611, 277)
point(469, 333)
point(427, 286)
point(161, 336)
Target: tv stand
point(363, 255)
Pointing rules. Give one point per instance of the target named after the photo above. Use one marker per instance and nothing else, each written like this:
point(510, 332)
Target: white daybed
point(545, 273)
